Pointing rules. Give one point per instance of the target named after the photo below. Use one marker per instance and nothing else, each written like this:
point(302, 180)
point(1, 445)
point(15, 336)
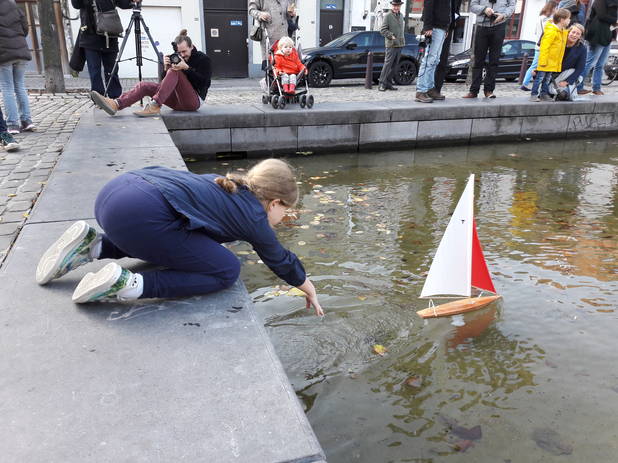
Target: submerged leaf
point(295, 292)
point(380, 349)
point(550, 440)
point(414, 381)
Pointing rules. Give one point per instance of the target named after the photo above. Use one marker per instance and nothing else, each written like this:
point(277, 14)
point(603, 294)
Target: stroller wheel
point(264, 99)
point(310, 101)
point(275, 102)
point(303, 101)
point(282, 102)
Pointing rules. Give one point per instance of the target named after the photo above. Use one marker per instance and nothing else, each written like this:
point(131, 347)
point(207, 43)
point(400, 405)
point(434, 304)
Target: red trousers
point(174, 91)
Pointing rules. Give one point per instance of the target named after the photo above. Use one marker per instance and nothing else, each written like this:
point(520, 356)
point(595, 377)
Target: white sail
point(451, 269)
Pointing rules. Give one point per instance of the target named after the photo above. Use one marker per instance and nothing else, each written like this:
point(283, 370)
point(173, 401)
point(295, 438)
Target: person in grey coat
point(491, 19)
point(273, 16)
point(14, 53)
point(394, 40)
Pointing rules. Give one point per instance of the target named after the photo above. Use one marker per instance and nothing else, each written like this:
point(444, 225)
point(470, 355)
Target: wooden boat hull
point(456, 307)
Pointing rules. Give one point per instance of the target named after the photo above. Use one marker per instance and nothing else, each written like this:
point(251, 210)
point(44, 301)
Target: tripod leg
point(152, 42)
point(124, 42)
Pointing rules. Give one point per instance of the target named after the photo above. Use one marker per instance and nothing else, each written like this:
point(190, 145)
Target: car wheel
point(610, 75)
point(320, 74)
point(405, 72)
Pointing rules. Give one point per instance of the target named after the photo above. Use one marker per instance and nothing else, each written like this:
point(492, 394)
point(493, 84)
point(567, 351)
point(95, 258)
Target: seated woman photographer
point(181, 88)
point(573, 64)
point(178, 220)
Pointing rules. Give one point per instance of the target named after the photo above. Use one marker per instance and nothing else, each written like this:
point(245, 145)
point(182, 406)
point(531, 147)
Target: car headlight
point(460, 62)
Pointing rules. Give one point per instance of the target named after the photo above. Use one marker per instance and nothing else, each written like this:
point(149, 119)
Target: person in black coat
point(442, 68)
point(98, 49)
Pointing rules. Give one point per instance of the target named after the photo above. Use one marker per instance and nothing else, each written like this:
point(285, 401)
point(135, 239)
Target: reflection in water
point(547, 215)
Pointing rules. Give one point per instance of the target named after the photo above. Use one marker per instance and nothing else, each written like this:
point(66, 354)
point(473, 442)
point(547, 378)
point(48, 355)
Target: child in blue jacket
point(178, 220)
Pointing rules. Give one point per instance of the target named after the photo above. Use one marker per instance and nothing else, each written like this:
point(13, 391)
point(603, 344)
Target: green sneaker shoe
point(105, 284)
point(71, 250)
point(8, 142)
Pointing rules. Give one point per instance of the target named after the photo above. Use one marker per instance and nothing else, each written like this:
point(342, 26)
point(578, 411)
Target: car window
point(510, 48)
point(527, 47)
point(339, 41)
point(378, 40)
point(363, 40)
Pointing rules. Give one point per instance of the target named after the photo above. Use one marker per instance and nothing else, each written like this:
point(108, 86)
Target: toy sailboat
point(459, 265)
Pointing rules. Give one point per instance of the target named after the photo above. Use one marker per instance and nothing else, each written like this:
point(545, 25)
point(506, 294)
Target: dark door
point(226, 37)
point(331, 20)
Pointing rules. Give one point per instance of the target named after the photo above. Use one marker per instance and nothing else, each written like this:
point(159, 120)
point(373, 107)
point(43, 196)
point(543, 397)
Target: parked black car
point(346, 57)
point(508, 67)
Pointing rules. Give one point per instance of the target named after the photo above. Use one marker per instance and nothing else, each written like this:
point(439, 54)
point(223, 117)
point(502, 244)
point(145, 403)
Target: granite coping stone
point(194, 379)
point(255, 115)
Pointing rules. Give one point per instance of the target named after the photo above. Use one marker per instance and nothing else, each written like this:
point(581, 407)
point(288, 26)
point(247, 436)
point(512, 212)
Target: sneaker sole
point(50, 262)
point(96, 283)
point(11, 147)
point(147, 115)
point(100, 103)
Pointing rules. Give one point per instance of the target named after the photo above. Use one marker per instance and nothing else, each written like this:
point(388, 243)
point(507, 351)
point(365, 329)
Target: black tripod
point(138, 22)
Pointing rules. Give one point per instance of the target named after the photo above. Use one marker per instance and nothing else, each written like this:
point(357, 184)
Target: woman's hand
point(264, 16)
point(311, 297)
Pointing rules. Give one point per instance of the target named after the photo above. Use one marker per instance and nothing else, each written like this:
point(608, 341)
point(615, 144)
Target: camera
point(175, 57)
point(493, 17)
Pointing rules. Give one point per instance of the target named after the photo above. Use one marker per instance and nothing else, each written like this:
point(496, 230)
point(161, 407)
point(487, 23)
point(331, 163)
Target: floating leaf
point(11, 195)
point(380, 349)
point(361, 298)
point(414, 381)
point(296, 292)
point(301, 243)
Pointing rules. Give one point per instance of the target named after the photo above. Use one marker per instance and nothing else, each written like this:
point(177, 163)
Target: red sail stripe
point(480, 274)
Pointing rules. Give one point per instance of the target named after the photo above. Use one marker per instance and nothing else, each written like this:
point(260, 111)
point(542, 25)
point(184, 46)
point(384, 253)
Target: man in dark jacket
point(442, 68)
point(394, 40)
point(603, 14)
point(184, 84)
point(99, 50)
point(437, 17)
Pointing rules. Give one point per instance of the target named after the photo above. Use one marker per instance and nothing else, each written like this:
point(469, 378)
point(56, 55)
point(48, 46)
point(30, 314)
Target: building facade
point(221, 28)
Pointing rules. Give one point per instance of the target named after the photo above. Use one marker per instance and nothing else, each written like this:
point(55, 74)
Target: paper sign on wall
point(214, 32)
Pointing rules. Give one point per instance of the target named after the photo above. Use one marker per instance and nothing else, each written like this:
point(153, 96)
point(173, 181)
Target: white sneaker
point(107, 283)
point(71, 250)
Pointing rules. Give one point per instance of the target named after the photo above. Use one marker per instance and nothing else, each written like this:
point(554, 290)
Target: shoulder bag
point(257, 33)
point(107, 23)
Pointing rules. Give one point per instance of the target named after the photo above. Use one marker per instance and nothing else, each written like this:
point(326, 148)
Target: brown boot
point(598, 92)
point(151, 109)
point(470, 95)
point(108, 105)
point(436, 95)
point(489, 94)
point(423, 97)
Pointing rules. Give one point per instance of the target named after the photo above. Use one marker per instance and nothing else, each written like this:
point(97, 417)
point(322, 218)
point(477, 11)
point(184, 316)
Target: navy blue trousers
point(95, 59)
point(139, 222)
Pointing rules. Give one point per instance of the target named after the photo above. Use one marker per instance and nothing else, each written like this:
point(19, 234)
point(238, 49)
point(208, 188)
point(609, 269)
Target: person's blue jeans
point(139, 222)
point(14, 93)
point(533, 65)
point(426, 73)
point(542, 79)
point(596, 58)
point(95, 60)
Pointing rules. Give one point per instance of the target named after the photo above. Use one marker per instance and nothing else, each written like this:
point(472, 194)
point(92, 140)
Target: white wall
point(531, 15)
point(164, 18)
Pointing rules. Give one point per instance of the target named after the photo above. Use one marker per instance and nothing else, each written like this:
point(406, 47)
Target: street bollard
point(523, 68)
point(369, 71)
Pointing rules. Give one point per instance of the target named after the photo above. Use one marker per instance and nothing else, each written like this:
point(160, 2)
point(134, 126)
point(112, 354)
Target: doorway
point(331, 20)
point(225, 23)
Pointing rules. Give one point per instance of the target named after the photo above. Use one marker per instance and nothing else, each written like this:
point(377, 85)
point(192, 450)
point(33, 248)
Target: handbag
point(107, 23)
point(257, 33)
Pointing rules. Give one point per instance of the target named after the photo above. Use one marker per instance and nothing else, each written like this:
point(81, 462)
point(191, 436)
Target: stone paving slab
point(195, 379)
point(152, 381)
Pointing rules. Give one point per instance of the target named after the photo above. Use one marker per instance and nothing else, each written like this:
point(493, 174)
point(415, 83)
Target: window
point(513, 25)
point(527, 47)
point(363, 40)
point(510, 48)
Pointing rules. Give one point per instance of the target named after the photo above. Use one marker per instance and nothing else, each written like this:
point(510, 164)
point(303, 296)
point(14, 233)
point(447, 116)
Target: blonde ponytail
point(268, 180)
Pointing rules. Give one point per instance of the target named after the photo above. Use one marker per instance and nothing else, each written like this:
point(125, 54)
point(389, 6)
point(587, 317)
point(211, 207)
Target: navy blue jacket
point(574, 58)
point(224, 216)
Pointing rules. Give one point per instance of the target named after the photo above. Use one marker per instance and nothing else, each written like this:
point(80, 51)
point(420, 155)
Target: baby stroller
point(273, 88)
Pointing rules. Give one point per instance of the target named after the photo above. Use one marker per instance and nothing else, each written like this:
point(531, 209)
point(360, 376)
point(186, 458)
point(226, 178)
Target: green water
point(536, 371)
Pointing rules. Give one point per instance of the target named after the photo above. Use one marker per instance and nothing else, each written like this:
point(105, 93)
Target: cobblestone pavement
point(23, 173)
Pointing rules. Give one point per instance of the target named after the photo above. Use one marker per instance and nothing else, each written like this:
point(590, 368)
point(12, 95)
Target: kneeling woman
point(178, 220)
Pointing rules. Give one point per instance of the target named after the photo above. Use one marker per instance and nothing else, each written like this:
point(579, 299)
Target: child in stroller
point(285, 77)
